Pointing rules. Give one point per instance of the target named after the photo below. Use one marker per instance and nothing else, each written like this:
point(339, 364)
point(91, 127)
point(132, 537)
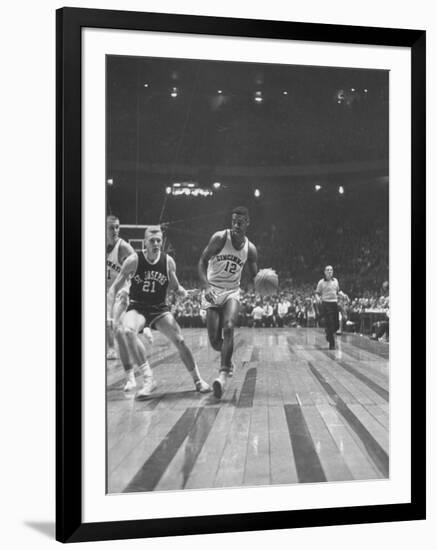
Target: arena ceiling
point(167, 116)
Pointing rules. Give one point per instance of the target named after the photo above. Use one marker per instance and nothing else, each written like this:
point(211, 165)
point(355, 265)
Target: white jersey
point(225, 268)
point(113, 266)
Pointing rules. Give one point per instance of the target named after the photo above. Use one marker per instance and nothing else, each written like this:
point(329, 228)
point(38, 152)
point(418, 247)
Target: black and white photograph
point(247, 274)
point(218, 279)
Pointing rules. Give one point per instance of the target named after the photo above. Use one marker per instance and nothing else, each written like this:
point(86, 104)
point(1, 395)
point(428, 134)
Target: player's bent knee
point(217, 344)
point(130, 333)
point(179, 340)
point(228, 326)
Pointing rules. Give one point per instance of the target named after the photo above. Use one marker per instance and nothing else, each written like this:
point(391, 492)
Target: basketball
point(266, 282)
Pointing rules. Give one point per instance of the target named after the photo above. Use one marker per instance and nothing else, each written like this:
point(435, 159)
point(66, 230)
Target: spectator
point(268, 315)
point(283, 311)
point(257, 315)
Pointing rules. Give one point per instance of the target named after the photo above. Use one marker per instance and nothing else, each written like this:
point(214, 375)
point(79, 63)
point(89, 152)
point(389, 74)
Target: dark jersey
point(150, 281)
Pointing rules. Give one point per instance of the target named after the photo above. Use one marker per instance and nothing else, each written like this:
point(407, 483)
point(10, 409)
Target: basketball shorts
point(220, 297)
point(151, 314)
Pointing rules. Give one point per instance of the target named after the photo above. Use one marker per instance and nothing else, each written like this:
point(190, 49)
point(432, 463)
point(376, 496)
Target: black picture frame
point(69, 524)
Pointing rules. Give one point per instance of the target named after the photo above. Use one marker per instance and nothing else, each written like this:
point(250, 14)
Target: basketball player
point(220, 267)
point(117, 250)
point(327, 293)
point(151, 273)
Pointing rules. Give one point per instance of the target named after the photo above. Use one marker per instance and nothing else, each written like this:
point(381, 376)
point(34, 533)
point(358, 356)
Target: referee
point(327, 292)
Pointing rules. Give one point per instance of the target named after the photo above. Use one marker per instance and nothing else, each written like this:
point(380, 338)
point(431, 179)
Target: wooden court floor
point(293, 412)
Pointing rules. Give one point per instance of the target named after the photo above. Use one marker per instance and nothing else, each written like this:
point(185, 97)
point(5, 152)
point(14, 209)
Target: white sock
point(146, 370)
point(223, 375)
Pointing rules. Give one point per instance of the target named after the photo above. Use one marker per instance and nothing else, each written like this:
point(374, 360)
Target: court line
point(247, 392)
point(365, 379)
point(367, 345)
point(152, 470)
point(196, 439)
point(376, 452)
point(382, 392)
point(308, 465)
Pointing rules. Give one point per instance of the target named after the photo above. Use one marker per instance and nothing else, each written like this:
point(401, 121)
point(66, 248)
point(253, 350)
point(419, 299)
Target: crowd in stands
point(298, 250)
point(291, 307)
point(360, 260)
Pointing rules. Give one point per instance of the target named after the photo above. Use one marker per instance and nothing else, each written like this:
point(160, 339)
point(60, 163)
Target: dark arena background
point(305, 149)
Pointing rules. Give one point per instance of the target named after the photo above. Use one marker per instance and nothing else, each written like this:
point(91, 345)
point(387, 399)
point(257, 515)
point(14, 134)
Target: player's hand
point(209, 295)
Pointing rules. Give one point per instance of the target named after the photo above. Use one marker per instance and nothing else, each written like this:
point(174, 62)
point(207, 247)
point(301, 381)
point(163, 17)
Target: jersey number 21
point(149, 286)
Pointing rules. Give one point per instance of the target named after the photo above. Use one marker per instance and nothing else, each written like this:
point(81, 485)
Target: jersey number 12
point(231, 267)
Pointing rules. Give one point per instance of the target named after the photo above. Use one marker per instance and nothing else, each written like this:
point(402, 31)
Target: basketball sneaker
point(218, 386)
point(148, 387)
point(202, 386)
point(146, 371)
point(131, 383)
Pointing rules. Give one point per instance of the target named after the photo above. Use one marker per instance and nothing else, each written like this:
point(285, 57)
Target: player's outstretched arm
point(128, 268)
point(252, 261)
point(174, 283)
point(214, 246)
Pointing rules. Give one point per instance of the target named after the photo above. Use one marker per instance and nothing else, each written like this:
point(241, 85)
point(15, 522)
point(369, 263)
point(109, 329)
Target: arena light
point(317, 187)
point(341, 190)
point(188, 192)
point(201, 192)
point(257, 193)
point(191, 184)
point(168, 190)
point(216, 185)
